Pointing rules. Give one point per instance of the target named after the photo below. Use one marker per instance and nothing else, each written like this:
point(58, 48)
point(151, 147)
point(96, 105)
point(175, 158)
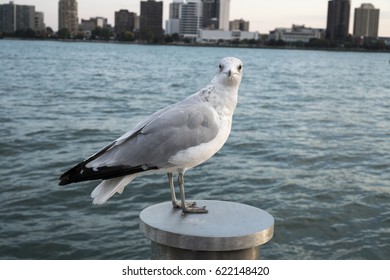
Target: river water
point(310, 144)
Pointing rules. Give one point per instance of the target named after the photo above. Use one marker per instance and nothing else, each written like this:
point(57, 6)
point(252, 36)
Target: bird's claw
point(196, 210)
point(190, 207)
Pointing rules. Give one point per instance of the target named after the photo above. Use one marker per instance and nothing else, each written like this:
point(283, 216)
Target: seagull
point(173, 139)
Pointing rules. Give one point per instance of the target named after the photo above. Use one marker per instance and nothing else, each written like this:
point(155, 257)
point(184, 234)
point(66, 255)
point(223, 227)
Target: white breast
point(196, 155)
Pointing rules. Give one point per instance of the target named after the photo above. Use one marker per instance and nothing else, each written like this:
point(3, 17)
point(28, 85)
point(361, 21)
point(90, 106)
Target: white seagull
point(174, 139)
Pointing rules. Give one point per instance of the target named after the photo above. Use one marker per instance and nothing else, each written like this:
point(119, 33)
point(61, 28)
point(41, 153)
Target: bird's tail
point(108, 188)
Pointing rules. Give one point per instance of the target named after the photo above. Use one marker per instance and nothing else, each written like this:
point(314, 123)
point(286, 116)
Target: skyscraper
point(67, 16)
point(239, 24)
point(124, 21)
point(366, 21)
point(191, 18)
point(151, 20)
point(210, 14)
point(39, 21)
point(338, 19)
point(173, 23)
point(16, 17)
point(174, 9)
point(224, 13)
point(8, 18)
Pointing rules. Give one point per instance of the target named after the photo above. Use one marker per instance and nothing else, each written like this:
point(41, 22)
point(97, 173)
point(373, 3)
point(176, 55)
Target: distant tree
point(149, 36)
point(254, 42)
point(276, 43)
point(30, 33)
point(375, 44)
point(187, 40)
point(63, 33)
point(172, 38)
point(235, 42)
point(168, 39)
point(317, 43)
point(19, 33)
point(125, 36)
point(101, 34)
point(299, 44)
point(49, 32)
point(79, 36)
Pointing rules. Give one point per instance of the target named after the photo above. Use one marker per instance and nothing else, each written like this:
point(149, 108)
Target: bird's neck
point(222, 97)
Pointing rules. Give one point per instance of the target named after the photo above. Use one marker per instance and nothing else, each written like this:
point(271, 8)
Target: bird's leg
point(188, 208)
point(175, 203)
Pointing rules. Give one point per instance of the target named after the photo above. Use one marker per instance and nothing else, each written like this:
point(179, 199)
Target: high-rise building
point(224, 13)
point(67, 16)
point(239, 24)
point(191, 19)
point(16, 17)
point(39, 21)
point(211, 14)
point(174, 9)
point(192, 15)
point(25, 17)
point(151, 20)
point(89, 25)
point(124, 21)
point(8, 18)
point(338, 19)
point(173, 23)
point(366, 21)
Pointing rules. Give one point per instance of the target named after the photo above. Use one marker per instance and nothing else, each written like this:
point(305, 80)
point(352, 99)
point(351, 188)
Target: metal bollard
point(229, 231)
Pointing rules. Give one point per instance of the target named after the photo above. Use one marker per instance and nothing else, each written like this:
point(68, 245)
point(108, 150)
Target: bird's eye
point(239, 67)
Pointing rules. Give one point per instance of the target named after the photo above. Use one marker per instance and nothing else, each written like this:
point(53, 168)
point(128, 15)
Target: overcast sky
point(263, 15)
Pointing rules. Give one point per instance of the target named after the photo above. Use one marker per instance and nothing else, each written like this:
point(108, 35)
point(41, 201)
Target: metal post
point(229, 231)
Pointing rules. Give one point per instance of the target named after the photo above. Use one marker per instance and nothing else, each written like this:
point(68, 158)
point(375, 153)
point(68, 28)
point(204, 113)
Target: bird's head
point(230, 71)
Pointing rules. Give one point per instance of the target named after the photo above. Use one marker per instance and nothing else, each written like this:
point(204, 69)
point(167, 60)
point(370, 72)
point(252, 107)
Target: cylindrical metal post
point(228, 231)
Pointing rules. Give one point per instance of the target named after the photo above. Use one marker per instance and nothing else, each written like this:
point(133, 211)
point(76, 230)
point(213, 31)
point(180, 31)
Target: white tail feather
point(108, 188)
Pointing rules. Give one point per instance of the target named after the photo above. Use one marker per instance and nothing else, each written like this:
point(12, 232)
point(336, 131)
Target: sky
point(263, 15)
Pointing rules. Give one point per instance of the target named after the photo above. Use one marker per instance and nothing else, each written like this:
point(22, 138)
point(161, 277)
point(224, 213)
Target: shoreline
point(216, 45)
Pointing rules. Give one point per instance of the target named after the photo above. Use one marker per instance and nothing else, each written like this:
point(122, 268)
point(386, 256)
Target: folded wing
point(150, 145)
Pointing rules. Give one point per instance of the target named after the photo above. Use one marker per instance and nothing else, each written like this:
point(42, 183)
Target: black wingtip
point(63, 182)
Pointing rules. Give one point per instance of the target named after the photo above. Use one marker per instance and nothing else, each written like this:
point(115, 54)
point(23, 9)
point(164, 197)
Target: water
point(310, 144)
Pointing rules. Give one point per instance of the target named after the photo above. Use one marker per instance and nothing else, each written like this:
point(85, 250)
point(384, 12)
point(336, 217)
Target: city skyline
point(263, 15)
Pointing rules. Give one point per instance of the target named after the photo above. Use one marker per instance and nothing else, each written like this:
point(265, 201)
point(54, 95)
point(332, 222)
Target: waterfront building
point(239, 24)
point(16, 17)
point(211, 14)
point(151, 19)
point(224, 13)
point(67, 16)
point(338, 19)
point(89, 25)
point(124, 21)
point(187, 17)
point(172, 25)
point(8, 18)
point(366, 21)
point(213, 36)
point(174, 9)
point(25, 17)
point(297, 33)
point(39, 22)
point(191, 20)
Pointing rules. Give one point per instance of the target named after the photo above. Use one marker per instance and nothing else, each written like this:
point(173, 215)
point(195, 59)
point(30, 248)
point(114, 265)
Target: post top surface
point(227, 226)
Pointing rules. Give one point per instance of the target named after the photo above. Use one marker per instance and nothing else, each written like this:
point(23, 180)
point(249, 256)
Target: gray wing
point(150, 145)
